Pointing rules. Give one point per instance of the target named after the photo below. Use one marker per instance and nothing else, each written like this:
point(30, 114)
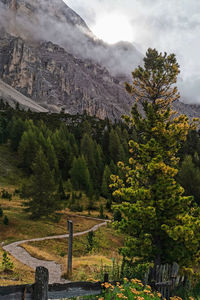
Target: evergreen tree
point(105, 190)
point(41, 189)
point(162, 224)
point(88, 151)
point(189, 178)
point(16, 129)
point(116, 151)
point(80, 176)
point(28, 146)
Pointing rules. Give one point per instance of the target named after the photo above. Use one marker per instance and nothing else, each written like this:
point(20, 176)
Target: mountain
point(48, 54)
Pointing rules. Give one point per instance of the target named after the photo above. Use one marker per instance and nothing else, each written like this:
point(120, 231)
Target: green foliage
point(117, 216)
point(101, 212)
point(6, 264)
point(135, 269)
point(16, 130)
point(1, 212)
point(130, 290)
point(162, 224)
point(189, 178)
point(6, 221)
point(90, 239)
point(6, 195)
point(106, 182)
point(80, 175)
point(41, 189)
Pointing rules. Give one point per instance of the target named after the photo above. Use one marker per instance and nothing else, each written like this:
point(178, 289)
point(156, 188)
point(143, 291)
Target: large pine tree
point(162, 225)
point(41, 189)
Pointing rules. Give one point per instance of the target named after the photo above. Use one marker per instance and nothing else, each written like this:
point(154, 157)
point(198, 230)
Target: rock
point(48, 54)
point(49, 75)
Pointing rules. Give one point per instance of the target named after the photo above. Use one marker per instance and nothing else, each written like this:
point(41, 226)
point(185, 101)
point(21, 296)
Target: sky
point(167, 25)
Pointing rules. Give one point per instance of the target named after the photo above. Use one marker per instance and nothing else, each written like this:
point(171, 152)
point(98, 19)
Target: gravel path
point(55, 270)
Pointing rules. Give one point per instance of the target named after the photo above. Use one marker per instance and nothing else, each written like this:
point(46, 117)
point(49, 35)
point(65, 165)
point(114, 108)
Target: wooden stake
point(70, 246)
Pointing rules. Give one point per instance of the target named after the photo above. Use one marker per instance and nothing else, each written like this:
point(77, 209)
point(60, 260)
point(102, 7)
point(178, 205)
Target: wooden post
point(40, 291)
point(106, 277)
point(70, 246)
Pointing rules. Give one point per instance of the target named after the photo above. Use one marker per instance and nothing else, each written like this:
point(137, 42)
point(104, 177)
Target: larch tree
point(41, 190)
point(162, 225)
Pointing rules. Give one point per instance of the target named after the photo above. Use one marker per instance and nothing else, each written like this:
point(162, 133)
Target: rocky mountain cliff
point(48, 54)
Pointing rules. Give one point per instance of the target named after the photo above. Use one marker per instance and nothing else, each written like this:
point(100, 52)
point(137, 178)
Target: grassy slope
point(85, 263)
point(21, 227)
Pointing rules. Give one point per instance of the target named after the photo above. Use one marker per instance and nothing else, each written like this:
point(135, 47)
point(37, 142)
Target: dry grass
point(22, 228)
point(21, 274)
point(37, 253)
point(85, 264)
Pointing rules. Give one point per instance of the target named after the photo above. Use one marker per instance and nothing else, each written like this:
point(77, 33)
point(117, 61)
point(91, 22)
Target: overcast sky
point(168, 25)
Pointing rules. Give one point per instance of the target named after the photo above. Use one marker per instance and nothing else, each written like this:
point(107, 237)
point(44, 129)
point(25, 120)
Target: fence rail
point(41, 290)
point(163, 278)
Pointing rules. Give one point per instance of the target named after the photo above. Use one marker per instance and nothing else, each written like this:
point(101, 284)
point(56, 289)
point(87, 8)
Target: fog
point(54, 21)
point(167, 25)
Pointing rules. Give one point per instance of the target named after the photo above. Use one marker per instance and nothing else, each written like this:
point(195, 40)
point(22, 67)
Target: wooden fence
point(41, 290)
point(165, 279)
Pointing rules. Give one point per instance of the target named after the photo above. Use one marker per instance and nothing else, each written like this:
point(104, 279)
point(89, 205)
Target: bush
point(134, 270)
point(101, 212)
point(6, 195)
point(1, 212)
point(7, 265)
point(117, 216)
point(130, 290)
point(5, 220)
point(90, 239)
point(109, 205)
point(76, 207)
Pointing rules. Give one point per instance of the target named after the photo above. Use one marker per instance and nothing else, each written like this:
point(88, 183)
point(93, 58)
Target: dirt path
point(55, 270)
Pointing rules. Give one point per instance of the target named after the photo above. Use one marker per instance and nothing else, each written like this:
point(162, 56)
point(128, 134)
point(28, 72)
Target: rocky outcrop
point(55, 79)
point(75, 71)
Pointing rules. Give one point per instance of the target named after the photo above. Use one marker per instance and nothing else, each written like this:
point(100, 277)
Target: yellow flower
point(159, 295)
point(120, 295)
point(134, 291)
point(148, 287)
point(147, 291)
point(140, 298)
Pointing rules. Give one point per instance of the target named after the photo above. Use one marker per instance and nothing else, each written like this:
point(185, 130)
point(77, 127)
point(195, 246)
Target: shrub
point(1, 212)
point(117, 216)
point(5, 220)
point(90, 239)
point(130, 290)
point(6, 195)
point(101, 212)
point(7, 265)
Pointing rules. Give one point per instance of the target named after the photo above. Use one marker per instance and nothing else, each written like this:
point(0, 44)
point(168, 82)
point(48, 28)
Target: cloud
point(167, 25)
point(54, 21)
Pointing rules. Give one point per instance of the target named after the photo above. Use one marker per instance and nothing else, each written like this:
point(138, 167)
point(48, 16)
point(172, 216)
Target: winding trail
point(55, 269)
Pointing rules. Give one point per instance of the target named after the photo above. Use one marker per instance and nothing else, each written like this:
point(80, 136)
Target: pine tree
point(189, 178)
point(17, 127)
point(162, 224)
point(41, 189)
point(105, 190)
point(80, 176)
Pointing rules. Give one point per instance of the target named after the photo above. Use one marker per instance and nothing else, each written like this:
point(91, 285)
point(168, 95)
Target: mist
point(57, 23)
point(167, 25)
